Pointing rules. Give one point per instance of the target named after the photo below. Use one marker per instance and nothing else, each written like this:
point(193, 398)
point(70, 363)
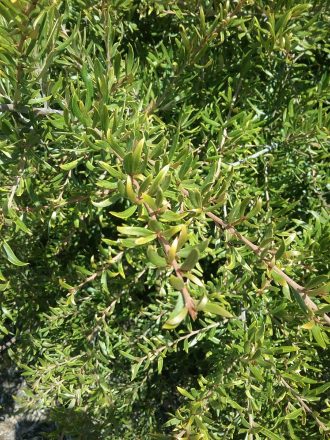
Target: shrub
point(164, 222)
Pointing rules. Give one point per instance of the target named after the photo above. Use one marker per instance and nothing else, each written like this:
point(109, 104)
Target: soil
point(16, 424)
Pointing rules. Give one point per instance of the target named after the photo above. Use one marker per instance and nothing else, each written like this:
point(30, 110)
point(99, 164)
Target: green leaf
point(125, 214)
point(135, 231)
point(70, 165)
point(321, 290)
point(106, 184)
point(191, 260)
point(175, 319)
point(285, 349)
point(294, 414)
point(194, 279)
point(144, 240)
point(278, 278)
point(3, 287)
point(168, 233)
point(155, 259)
point(323, 309)
point(130, 191)
point(12, 257)
point(270, 434)
point(135, 370)
point(103, 204)
point(318, 336)
point(176, 283)
point(300, 301)
point(280, 251)
point(160, 364)
point(216, 309)
point(257, 373)
point(128, 163)
point(136, 157)
point(170, 216)
point(185, 393)
point(111, 170)
point(158, 180)
point(39, 100)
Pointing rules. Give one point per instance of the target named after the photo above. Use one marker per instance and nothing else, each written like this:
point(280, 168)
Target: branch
point(304, 405)
point(182, 338)
point(38, 111)
point(265, 150)
point(189, 302)
point(90, 278)
point(257, 251)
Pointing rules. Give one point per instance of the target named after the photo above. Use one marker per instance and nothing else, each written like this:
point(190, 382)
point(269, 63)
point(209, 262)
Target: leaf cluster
point(164, 215)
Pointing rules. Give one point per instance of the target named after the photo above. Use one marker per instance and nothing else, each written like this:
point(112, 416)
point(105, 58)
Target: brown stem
point(189, 302)
point(257, 250)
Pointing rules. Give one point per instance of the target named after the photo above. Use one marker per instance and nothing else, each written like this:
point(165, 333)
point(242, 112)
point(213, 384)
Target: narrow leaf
point(176, 282)
point(216, 310)
point(12, 257)
point(174, 321)
point(191, 260)
point(125, 214)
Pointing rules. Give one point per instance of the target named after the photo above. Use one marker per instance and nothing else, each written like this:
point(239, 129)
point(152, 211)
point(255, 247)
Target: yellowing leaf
point(174, 321)
point(309, 325)
point(147, 239)
point(278, 278)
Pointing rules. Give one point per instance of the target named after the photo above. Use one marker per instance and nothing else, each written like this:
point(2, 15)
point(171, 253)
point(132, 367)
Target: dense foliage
point(164, 222)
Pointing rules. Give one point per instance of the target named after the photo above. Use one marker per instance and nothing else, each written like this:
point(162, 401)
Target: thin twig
point(17, 182)
point(39, 111)
point(265, 150)
point(94, 275)
point(258, 251)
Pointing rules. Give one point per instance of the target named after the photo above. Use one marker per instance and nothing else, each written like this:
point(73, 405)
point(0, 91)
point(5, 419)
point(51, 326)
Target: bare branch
point(39, 111)
point(265, 150)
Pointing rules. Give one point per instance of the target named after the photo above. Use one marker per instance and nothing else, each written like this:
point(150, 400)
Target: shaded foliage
point(163, 191)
